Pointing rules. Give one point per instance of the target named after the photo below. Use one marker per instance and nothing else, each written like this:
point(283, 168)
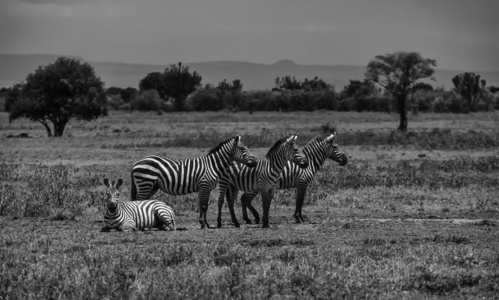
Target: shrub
point(207, 99)
point(146, 101)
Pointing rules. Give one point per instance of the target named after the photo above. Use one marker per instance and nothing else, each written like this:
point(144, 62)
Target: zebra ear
point(119, 183)
point(331, 137)
point(238, 139)
point(291, 139)
point(106, 182)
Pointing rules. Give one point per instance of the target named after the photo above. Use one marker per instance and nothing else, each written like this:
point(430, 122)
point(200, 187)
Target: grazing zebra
point(139, 215)
point(317, 151)
point(179, 177)
point(261, 178)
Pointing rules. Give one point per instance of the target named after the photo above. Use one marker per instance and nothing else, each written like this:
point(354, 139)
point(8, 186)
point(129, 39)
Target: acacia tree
point(58, 92)
point(175, 82)
point(470, 87)
point(397, 73)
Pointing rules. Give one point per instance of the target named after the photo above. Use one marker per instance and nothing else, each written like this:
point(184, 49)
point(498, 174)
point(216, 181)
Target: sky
point(459, 34)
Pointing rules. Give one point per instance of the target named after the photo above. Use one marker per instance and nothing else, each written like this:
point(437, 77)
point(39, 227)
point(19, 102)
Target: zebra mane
point(216, 148)
point(315, 140)
point(276, 145)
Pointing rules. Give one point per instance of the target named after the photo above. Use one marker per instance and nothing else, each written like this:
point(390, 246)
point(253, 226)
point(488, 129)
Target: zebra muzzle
point(251, 163)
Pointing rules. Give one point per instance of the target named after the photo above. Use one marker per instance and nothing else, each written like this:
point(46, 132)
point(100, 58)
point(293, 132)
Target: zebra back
point(178, 177)
point(268, 168)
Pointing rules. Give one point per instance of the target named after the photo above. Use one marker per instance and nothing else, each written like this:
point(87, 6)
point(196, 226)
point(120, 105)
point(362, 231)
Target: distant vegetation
point(392, 84)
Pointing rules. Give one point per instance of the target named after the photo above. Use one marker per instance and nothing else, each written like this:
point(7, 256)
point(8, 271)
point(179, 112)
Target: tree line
point(69, 88)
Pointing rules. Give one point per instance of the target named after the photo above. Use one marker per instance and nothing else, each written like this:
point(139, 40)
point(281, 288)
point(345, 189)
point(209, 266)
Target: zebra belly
point(147, 223)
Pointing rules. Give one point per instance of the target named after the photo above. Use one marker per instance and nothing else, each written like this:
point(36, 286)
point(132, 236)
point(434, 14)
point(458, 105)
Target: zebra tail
point(134, 188)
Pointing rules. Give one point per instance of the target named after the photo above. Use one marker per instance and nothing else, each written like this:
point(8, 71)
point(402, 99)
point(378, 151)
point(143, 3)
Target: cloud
point(316, 28)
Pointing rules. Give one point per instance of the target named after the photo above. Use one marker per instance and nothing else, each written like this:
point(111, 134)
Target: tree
point(58, 92)
point(315, 84)
point(292, 84)
point(358, 89)
point(230, 93)
point(470, 87)
point(235, 86)
point(127, 93)
point(287, 83)
point(175, 82)
point(397, 73)
point(154, 81)
point(11, 94)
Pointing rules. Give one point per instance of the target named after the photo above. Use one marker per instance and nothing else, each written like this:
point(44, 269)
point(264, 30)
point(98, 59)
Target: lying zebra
point(136, 215)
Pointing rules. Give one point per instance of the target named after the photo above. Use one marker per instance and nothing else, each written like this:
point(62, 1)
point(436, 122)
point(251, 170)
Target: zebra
point(180, 177)
point(261, 178)
point(138, 215)
point(317, 151)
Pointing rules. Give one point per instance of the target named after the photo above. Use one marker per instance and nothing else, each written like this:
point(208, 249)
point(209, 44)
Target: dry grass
point(401, 220)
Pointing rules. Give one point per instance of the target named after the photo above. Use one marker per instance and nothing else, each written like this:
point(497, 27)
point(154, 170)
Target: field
point(412, 216)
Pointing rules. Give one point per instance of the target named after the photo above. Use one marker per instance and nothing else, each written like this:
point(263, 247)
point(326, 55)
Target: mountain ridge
point(255, 76)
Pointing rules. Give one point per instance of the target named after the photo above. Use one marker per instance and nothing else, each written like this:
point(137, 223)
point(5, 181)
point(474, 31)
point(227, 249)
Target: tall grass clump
point(42, 191)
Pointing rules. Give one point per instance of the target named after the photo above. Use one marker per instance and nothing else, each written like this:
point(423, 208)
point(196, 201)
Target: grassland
point(410, 216)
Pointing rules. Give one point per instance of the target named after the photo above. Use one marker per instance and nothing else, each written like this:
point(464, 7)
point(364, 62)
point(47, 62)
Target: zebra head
point(241, 153)
point(293, 154)
point(113, 193)
point(334, 152)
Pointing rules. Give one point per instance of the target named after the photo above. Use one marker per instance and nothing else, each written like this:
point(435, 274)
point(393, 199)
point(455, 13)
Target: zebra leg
point(126, 228)
point(105, 229)
point(168, 226)
point(165, 223)
point(246, 200)
point(301, 191)
point(153, 191)
point(223, 190)
point(231, 197)
point(133, 192)
point(127, 225)
point(203, 198)
point(266, 200)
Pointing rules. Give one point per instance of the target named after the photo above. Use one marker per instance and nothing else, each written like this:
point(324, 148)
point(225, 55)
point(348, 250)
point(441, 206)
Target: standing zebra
point(139, 215)
point(261, 178)
point(317, 151)
point(179, 177)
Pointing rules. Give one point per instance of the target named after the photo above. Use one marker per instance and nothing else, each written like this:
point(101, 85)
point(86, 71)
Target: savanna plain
point(411, 216)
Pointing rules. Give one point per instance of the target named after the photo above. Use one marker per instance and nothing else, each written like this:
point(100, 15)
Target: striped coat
point(260, 179)
point(317, 151)
point(179, 177)
point(138, 215)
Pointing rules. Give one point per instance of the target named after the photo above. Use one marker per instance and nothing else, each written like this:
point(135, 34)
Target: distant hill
point(254, 76)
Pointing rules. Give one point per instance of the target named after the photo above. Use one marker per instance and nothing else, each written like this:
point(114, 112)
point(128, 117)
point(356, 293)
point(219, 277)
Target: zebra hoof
point(248, 221)
point(257, 221)
point(237, 225)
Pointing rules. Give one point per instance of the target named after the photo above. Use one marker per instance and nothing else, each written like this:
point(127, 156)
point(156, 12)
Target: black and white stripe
point(260, 179)
point(179, 177)
point(138, 215)
point(317, 151)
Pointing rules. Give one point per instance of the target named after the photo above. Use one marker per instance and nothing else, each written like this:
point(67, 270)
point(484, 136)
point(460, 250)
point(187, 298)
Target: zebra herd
point(232, 167)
